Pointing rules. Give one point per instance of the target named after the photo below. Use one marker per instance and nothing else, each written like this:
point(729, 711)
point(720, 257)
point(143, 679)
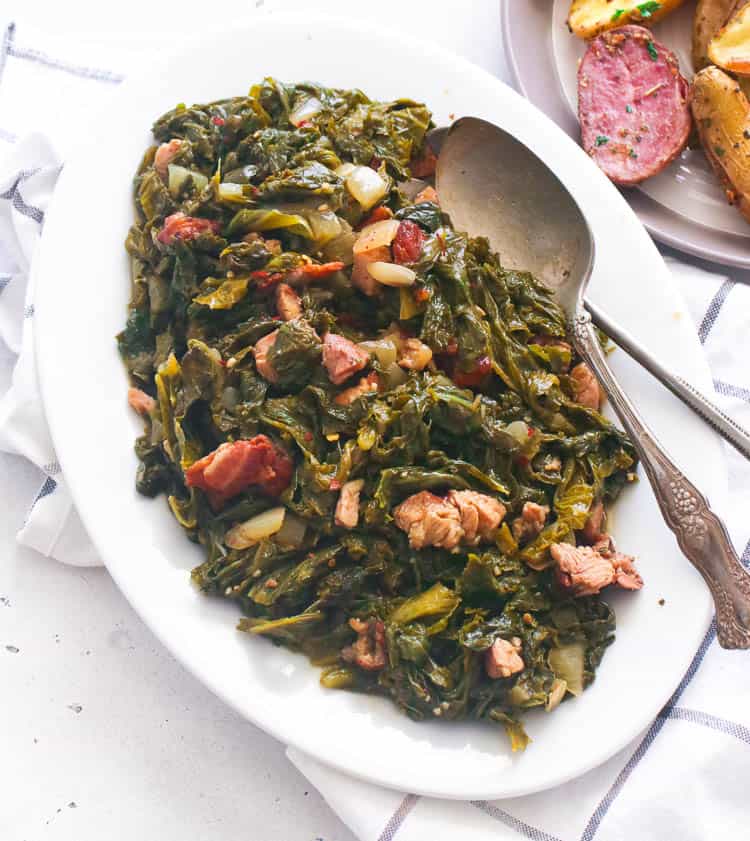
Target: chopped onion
point(384, 349)
point(366, 186)
point(228, 191)
point(179, 176)
point(292, 532)
point(391, 274)
point(305, 110)
point(344, 170)
point(567, 664)
point(376, 235)
point(556, 694)
point(255, 529)
point(518, 430)
point(325, 225)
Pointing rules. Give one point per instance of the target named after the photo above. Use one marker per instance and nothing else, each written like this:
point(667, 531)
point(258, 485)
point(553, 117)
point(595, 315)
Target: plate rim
point(124, 584)
point(662, 223)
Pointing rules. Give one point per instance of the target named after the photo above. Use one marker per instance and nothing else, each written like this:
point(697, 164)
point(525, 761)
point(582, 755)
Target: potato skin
point(589, 18)
point(730, 47)
point(722, 115)
point(710, 16)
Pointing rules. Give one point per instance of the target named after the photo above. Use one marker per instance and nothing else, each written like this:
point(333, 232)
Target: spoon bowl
point(493, 186)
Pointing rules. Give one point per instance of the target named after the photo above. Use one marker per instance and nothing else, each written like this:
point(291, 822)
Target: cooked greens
point(295, 407)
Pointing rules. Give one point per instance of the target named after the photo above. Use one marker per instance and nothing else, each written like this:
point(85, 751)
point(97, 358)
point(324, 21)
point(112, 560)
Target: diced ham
point(368, 652)
point(429, 520)
point(164, 156)
point(632, 104)
point(342, 358)
point(366, 385)
point(347, 507)
point(232, 467)
point(584, 571)
point(260, 352)
point(288, 302)
point(586, 387)
point(427, 194)
point(461, 516)
point(378, 214)
point(594, 529)
point(407, 244)
point(361, 278)
point(309, 272)
point(530, 523)
point(424, 164)
point(140, 401)
point(503, 658)
point(180, 226)
point(414, 355)
point(480, 514)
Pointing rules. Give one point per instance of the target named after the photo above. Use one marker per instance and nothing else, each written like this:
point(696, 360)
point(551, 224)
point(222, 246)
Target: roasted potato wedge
point(722, 115)
point(589, 18)
point(730, 47)
point(710, 16)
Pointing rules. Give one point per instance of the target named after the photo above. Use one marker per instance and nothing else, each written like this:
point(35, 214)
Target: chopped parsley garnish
point(629, 109)
point(652, 51)
point(618, 14)
point(601, 139)
point(632, 154)
point(647, 9)
point(719, 151)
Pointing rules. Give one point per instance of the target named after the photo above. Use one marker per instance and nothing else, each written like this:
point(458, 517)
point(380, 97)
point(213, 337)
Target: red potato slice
point(632, 105)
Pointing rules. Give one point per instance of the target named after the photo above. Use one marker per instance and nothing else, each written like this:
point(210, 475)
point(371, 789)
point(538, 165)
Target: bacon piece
point(584, 571)
point(164, 156)
point(587, 390)
point(480, 514)
point(288, 302)
point(342, 358)
point(260, 352)
point(503, 658)
point(407, 244)
point(361, 278)
point(140, 401)
point(312, 271)
point(180, 226)
point(232, 467)
point(380, 213)
point(368, 652)
point(530, 523)
point(347, 507)
point(367, 385)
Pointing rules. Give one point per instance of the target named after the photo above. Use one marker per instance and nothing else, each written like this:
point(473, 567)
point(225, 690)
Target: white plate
point(682, 206)
point(80, 305)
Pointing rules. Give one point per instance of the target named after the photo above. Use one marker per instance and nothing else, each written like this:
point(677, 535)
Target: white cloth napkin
point(685, 777)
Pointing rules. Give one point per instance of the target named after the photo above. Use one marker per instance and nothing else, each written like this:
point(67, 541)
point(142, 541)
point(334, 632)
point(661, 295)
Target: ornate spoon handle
point(700, 533)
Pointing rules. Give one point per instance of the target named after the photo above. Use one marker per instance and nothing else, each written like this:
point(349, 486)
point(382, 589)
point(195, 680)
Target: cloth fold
point(684, 777)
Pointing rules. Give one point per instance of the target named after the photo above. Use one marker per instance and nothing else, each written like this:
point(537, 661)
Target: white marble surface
point(102, 734)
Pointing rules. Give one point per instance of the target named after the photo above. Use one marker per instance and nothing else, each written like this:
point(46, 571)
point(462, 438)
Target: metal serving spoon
point(491, 184)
